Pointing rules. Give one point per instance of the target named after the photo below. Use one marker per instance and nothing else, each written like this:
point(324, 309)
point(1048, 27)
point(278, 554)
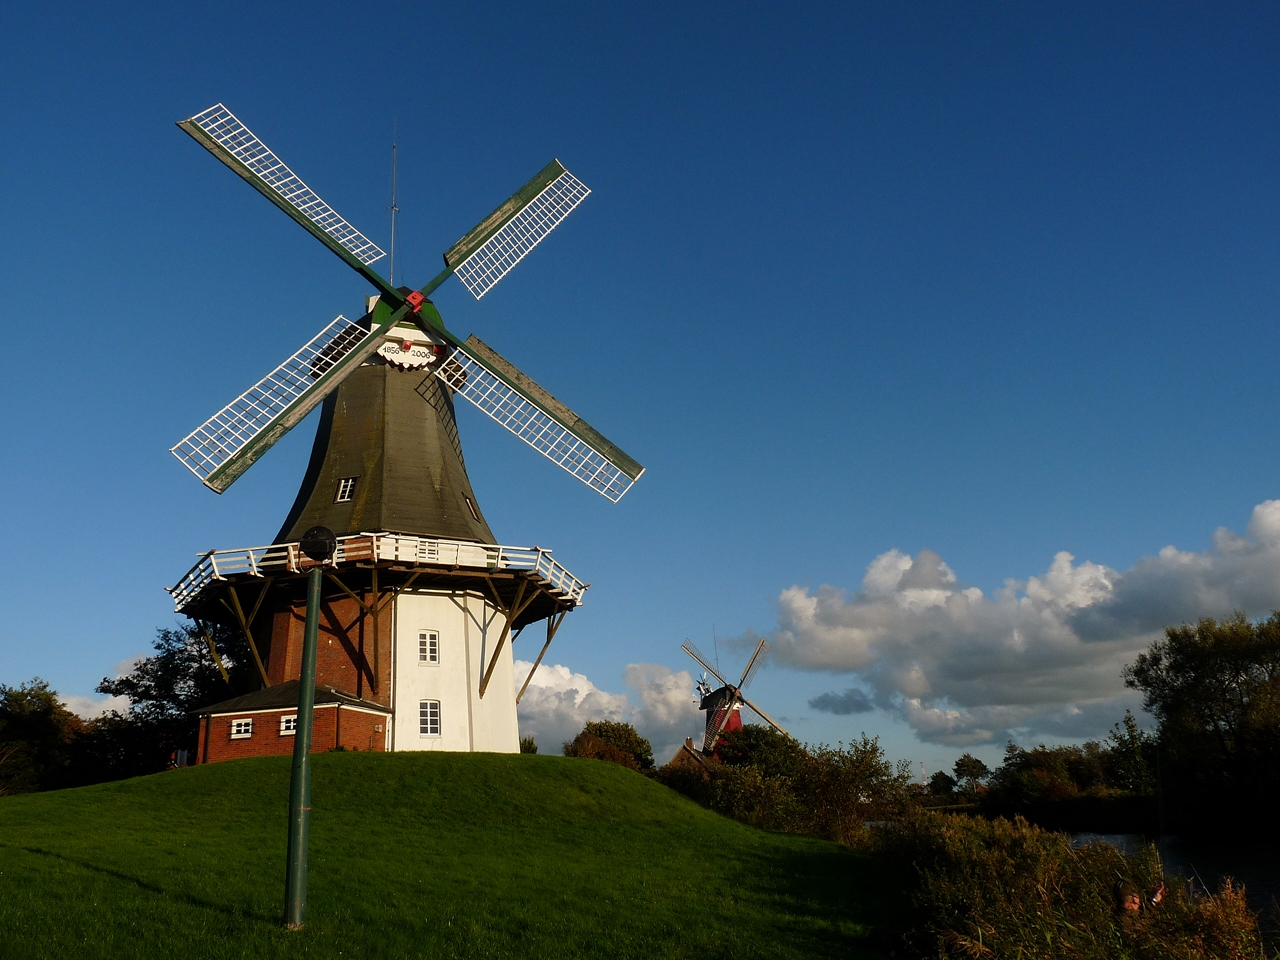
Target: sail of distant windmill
point(424, 604)
point(723, 705)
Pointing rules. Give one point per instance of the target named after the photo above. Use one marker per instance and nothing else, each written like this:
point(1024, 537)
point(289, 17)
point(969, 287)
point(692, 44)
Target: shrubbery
point(1006, 889)
point(768, 780)
point(615, 742)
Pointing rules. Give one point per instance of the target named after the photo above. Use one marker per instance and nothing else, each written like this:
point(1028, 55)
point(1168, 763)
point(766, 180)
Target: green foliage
point(1010, 891)
point(828, 792)
point(1046, 773)
point(414, 855)
point(773, 753)
point(942, 785)
point(182, 674)
point(1215, 689)
point(528, 745)
point(970, 771)
point(162, 690)
point(1105, 786)
point(614, 742)
point(36, 733)
point(1130, 760)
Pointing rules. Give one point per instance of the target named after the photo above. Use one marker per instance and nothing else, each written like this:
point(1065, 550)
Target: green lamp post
point(319, 545)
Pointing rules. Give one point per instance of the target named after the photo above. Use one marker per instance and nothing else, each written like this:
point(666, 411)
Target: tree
point(182, 674)
point(1214, 688)
point(528, 745)
point(1131, 757)
point(970, 771)
point(613, 741)
point(941, 784)
point(36, 733)
point(163, 690)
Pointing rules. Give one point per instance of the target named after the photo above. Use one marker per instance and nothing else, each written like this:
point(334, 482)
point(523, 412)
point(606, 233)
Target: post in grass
point(319, 544)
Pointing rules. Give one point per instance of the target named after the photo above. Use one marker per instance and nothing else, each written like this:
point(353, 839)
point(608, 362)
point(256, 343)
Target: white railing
point(372, 547)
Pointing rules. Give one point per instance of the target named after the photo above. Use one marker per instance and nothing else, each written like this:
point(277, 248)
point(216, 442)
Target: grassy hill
point(420, 855)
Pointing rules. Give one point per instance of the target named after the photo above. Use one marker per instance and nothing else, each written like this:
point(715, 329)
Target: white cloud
point(88, 708)
point(560, 702)
point(668, 712)
point(1042, 656)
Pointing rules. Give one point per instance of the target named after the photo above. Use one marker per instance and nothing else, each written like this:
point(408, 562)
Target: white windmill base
point(415, 645)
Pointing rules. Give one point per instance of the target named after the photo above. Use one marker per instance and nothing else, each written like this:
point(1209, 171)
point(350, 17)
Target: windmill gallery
point(421, 604)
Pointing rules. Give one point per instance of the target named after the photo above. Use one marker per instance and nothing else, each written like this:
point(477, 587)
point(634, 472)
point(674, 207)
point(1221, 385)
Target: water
point(1207, 862)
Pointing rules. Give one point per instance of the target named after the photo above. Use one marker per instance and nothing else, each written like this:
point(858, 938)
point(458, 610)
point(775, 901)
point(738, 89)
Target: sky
point(945, 332)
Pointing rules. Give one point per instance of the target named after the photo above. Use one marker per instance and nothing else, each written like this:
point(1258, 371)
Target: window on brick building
point(429, 718)
point(288, 725)
point(241, 729)
point(428, 646)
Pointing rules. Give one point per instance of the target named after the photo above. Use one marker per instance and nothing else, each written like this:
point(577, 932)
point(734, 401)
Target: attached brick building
point(264, 723)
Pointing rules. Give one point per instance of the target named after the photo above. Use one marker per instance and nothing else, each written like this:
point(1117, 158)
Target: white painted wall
point(469, 628)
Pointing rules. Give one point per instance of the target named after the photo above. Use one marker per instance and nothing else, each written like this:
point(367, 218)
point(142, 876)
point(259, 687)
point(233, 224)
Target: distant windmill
point(723, 705)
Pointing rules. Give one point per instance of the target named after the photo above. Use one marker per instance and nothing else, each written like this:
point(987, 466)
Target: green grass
point(420, 855)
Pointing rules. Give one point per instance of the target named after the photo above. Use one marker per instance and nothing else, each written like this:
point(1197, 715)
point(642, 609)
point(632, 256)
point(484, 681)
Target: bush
point(770, 781)
point(773, 753)
point(616, 742)
point(528, 745)
point(1006, 889)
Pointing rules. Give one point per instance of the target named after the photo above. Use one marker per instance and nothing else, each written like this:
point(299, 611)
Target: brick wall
point(333, 725)
point(344, 654)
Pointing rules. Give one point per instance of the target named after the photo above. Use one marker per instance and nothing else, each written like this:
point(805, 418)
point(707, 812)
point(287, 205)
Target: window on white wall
point(241, 729)
point(429, 718)
point(288, 725)
point(428, 646)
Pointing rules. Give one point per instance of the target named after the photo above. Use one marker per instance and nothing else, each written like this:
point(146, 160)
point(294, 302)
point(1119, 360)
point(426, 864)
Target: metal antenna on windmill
point(394, 208)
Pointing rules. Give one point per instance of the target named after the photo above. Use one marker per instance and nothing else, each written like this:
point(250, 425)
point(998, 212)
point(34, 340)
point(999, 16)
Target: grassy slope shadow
point(420, 855)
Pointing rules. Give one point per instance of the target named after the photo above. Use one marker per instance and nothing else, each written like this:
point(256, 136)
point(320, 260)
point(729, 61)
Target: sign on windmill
point(723, 705)
point(227, 444)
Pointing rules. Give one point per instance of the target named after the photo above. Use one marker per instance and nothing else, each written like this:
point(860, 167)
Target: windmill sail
point(477, 373)
point(500, 241)
point(220, 132)
point(765, 717)
point(754, 665)
point(226, 444)
point(689, 648)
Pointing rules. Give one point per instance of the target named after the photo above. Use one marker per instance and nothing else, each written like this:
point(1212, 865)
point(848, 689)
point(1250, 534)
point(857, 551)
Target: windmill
point(724, 704)
point(423, 604)
point(403, 326)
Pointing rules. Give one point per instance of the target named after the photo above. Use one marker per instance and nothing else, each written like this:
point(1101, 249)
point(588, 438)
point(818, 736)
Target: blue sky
point(992, 282)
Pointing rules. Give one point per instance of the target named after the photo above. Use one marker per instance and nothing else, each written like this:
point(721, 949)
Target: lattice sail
point(716, 724)
point(753, 667)
point(226, 130)
point(600, 466)
point(518, 226)
point(280, 399)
